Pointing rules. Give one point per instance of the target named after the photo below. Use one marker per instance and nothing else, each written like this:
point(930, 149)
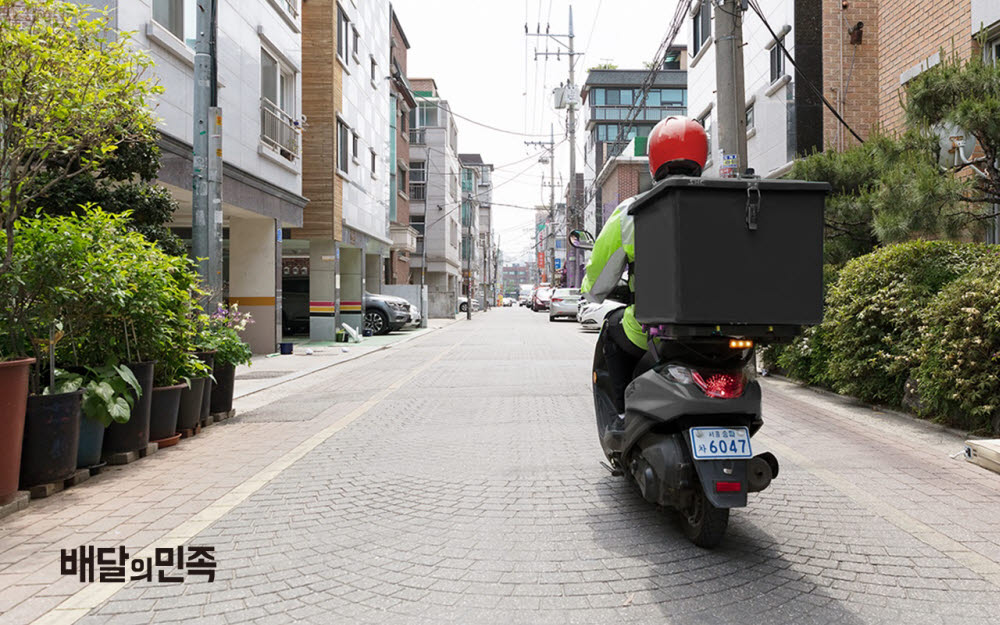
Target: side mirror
point(581, 239)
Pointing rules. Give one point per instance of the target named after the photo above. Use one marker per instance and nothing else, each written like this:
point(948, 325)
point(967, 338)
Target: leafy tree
point(603, 66)
point(966, 94)
point(123, 183)
point(885, 191)
point(68, 95)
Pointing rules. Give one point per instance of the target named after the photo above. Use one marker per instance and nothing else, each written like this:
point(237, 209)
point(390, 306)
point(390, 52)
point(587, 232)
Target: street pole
point(206, 180)
point(425, 298)
point(572, 204)
point(468, 277)
point(732, 120)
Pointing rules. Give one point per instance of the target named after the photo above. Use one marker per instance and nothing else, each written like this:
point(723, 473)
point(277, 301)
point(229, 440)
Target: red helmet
point(677, 145)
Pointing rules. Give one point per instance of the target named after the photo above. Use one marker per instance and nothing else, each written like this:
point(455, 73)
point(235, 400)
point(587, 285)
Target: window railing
point(292, 6)
point(279, 130)
point(418, 191)
point(418, 136)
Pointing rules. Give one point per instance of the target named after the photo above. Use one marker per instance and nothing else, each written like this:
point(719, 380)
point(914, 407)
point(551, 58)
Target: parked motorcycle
point(690, 413)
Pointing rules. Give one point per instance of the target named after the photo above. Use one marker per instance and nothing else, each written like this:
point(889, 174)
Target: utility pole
point(571, 98)
point(729, 86)
point(550, 146)
point(206, 183)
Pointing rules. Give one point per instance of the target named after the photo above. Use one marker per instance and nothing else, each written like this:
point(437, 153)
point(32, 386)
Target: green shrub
point(874, 317)
point(807, 358)
point(957, 379)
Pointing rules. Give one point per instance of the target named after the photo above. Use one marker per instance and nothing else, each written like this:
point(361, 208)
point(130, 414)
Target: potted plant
point(173, 376)
point(220, 332)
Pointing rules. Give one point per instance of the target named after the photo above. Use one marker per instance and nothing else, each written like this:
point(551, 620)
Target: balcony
point(403, 238)
point(278, 130)
point(418, 192)
point(418, 136)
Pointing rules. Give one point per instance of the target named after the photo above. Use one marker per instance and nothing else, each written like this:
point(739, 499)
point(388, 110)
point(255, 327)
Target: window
point(374, 70)
point(702, 27)
point(426, 114)
point(343, 154)
point(178, 17)
point(453, 180)
point(354, 48)
point(418, 180)
point(417, 223)
point(991, 51)
point(454, 233)
point(374, 157)
point(598, 99)
point(484, 175)
point(672, 60)
point(279, 127)
point(401, 184)
point(342, 33)
point(777, 60)
point(706, 123)
point(750, 115)
point(354, 146)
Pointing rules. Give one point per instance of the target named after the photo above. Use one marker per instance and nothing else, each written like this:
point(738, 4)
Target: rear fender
point(712, 471)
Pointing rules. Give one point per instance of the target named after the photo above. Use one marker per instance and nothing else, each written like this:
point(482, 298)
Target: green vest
point(613, 251)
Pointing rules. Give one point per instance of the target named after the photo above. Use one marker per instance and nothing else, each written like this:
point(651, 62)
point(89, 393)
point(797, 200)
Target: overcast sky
point(483, 63)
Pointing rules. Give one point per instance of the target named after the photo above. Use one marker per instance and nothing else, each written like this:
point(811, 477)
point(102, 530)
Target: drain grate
point(261, 375)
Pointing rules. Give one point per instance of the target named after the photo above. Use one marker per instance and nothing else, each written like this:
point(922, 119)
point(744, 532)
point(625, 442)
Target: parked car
point(592, 316)
point(414, 316)
point(541, 299)
point(563, 303)
point(523, 300)
point(385, 313)
point(508, 301)
point(463, 304)
point(580, 305)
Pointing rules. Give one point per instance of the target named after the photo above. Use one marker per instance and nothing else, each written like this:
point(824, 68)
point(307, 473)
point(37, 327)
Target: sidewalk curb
point(878, 410)
point(303, 374)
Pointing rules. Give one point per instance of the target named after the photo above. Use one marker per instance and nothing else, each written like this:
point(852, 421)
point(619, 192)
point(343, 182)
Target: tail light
point(728, 487)
point(556, 299)
point(721, 385)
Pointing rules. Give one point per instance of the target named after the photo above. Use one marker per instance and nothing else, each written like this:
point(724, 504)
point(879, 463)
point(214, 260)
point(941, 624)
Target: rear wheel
point(463, 307)
point(704, 524)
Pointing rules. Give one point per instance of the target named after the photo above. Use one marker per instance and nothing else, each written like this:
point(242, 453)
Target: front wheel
point(377, 322)
point(463, 307)
point(704, 524)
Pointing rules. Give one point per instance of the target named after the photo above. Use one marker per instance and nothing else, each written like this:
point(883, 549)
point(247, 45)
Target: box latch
point(753, 205)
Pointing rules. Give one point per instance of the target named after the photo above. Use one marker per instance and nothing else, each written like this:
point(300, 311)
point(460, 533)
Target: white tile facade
point(245, 27)
point(767, 146)
point(365, 108)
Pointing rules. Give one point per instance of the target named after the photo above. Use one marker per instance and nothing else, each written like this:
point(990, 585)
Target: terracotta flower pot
point(133, 435)
point(13, 398)
point(51, 438)
point(163, 411)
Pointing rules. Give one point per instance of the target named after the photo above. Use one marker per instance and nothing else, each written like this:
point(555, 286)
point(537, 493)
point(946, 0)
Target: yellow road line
point(93, 595)
point(976, 562)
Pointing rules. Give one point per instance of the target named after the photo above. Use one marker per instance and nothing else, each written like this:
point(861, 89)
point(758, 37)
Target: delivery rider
point(677, 146)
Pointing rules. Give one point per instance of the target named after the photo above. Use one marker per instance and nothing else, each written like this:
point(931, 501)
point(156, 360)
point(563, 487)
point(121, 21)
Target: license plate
point(720, 443)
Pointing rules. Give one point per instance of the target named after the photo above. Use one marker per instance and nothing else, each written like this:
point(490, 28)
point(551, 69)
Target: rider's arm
point(607, 261)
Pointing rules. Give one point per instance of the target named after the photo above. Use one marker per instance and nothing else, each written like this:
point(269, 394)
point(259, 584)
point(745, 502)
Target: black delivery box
point(735, 256)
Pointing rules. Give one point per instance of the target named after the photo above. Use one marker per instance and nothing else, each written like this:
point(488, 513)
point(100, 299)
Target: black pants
point(622, 356)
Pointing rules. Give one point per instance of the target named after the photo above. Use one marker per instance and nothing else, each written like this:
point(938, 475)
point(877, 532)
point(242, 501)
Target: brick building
point(404, 236)
point(624, 175)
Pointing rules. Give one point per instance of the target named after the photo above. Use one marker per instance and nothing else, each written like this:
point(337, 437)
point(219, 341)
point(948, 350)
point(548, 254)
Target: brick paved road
point(470, 492)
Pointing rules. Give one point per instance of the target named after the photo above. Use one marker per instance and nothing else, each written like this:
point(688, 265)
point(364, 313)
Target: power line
point(474, 122)
point(781, 44)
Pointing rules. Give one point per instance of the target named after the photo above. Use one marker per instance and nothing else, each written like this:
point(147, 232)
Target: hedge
point(927, 312)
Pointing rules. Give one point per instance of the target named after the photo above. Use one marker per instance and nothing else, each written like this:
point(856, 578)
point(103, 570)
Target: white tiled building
point(784, 117)
point(259, 91)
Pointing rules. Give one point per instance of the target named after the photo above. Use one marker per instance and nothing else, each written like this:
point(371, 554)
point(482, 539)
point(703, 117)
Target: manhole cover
point(261, 375)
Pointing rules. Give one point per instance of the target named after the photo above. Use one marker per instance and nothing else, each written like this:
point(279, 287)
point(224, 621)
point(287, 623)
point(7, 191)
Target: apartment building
point(401, 102)
point(482, 174)
point(435, 199)
point(260, 92)
point(608, 94)
point(345, 233)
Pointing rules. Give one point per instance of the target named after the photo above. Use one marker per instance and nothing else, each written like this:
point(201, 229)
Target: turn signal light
point(740, 344)
point(728, 487)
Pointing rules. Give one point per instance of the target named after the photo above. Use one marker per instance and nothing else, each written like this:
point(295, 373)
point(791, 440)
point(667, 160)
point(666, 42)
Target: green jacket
point(612, 253)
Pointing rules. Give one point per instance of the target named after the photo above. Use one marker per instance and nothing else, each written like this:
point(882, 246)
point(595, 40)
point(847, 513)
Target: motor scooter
point(690, 412)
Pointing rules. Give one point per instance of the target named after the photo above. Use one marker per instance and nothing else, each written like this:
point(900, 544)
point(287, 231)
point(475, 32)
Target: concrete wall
point(252, 278)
